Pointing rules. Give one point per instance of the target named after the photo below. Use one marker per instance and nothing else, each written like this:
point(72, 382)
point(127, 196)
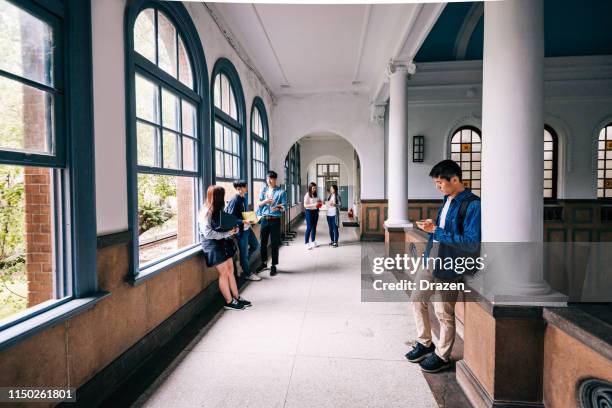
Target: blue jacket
point(452, 243)
point(279, 197)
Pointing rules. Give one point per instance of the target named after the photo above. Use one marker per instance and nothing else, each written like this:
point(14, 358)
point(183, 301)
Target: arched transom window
point(550, 162)
point(604, 163)
point(466, 145)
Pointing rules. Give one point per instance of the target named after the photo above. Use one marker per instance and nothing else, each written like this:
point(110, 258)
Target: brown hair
point(310, 186)
point(215, 200)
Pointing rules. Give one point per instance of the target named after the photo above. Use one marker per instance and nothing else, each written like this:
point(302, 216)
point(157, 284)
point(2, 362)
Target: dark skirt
point(217, 251)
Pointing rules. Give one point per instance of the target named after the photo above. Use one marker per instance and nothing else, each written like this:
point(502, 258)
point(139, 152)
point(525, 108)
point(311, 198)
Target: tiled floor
point(308, 341)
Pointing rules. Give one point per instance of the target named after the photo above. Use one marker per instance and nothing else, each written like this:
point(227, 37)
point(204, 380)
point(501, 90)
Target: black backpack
point(463, 211)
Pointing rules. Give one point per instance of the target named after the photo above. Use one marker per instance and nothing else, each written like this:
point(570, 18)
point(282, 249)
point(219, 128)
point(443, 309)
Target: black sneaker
point(273, 271)
point(434, 364)
point(244, 302)
point(261, 268)
point(335, 245)
point(419, 352)
point(330, 244)
point(233, 305)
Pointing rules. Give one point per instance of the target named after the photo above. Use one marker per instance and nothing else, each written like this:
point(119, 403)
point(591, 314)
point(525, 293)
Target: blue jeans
point(248, 244)
point(312, 217)
point(333, 229)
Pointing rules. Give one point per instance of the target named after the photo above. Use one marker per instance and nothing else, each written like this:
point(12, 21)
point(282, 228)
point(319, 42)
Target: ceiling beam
point(364, 33)
point(271, 45)
point(467, 29)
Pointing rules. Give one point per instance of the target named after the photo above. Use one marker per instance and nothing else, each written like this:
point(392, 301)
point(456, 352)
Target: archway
point(324, 158)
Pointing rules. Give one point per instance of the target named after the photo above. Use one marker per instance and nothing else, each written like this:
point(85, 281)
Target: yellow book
point(250, 216)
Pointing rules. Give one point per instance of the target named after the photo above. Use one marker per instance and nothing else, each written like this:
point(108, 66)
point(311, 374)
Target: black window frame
point(223, 66)
point(73, 157)
point(607, 141)
point(259, 106)
point(468, 182)
point(199, 96)
point(555, 162)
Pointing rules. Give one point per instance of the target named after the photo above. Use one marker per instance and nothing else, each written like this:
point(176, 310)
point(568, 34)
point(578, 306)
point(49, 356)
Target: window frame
point(607, 137)
point(178, 15)
point(73, 153)
point(225, 67)
point(450, 153)
point(555, 162)
point(262, 139)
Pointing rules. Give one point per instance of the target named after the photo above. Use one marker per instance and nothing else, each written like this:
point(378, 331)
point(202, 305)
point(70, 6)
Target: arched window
point(604, 163)
point(550, 162)
point(228, 130)
point(259, 147)
point(166, 62)
point(466, 145)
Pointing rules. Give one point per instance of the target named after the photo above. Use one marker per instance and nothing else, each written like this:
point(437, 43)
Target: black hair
point(310, 186)
point(335, 187)
point(272, 174)
point(446, 169)
point(240, 183)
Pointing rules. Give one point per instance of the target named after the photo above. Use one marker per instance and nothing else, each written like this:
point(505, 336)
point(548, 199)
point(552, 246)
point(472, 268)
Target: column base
point(503, 356)
point(477, 395)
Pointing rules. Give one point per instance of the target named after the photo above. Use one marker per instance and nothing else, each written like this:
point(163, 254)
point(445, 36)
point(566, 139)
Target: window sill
point(153, 270)
point(20, 331)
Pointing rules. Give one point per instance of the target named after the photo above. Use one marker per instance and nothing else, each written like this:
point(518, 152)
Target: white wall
point(344, 114)
point(578, 101)
point(109, 101)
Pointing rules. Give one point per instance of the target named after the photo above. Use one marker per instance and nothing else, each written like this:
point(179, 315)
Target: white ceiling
point(316, 48)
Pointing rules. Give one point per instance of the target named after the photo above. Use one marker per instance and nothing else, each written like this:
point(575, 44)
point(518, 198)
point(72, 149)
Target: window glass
point(144, 34)
point(465, 150)
point(31, 215)
point(604, 163)
point(166, 140)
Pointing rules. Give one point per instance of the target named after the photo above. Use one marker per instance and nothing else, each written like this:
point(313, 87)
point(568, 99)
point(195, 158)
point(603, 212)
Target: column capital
point(377, 113)
point(400, 66)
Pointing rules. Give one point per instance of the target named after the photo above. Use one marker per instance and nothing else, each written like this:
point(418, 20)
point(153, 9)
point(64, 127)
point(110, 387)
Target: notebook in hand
point(250, 216)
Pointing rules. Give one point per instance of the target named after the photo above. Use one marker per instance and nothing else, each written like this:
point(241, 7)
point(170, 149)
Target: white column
point(512, 146)
point(397, 164)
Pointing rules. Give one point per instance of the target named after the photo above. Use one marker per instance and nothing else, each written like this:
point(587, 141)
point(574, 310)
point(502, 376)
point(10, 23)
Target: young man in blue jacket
point(455, 234)
point(247, 242)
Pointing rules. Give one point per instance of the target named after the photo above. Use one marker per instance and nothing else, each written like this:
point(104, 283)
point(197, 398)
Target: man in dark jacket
point(247, 242)
point(455, 234)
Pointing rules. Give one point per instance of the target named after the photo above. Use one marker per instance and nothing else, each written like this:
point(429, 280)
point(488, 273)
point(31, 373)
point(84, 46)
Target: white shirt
point(331, 211)
point(444, 212)
point(308, 200)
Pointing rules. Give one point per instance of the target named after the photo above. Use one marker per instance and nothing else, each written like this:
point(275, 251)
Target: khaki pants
point(444, 308)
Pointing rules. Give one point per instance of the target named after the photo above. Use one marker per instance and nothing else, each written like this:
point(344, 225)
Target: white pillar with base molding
point(512, 146)
point(397, 165)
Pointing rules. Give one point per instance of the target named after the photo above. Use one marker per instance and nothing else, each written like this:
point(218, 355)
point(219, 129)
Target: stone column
point(397, 160)
point(512, 149)
point(502, 359)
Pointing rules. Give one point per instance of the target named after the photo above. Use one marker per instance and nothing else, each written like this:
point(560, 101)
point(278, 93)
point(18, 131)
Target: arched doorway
point(324, 158)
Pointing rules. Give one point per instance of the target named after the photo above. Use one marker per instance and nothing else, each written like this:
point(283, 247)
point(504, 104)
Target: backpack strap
point(463, 211)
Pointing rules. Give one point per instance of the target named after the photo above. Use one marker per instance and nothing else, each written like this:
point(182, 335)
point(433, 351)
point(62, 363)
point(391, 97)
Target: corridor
point(308, 341)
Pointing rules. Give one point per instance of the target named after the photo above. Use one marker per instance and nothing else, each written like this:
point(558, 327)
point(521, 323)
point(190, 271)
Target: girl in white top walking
point(311, 205)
